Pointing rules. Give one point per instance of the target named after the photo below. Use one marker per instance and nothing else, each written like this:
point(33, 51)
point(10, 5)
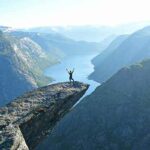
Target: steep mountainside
point(114, 117)
point(133, 49)
point(21, 66)
point(109, 50)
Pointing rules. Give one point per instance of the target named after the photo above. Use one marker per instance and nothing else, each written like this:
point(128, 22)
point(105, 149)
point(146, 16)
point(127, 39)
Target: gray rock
point(27, 120)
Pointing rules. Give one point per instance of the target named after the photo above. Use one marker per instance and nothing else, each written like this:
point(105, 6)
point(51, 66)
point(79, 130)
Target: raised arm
point(73, 70)
point(67, 70)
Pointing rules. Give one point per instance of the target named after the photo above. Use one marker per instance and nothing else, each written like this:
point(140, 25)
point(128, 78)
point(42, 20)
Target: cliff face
point(27, 120)
point(116, 116)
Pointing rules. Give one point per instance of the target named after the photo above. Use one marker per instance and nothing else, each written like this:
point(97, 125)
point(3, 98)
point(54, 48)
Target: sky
point(35, 13)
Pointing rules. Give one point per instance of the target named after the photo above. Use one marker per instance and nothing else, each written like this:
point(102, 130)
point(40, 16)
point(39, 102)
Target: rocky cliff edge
point(28, 119)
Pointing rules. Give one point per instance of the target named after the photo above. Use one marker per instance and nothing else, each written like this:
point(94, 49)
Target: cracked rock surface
point(28, 119)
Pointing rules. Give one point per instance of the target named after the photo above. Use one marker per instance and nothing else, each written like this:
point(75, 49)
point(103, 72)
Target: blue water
point(83, 68)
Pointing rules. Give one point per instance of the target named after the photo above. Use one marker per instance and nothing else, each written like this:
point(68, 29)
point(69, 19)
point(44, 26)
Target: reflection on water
point(83, 68)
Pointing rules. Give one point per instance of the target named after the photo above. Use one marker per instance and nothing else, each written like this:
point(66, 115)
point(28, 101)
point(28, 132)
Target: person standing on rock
point(70, 75)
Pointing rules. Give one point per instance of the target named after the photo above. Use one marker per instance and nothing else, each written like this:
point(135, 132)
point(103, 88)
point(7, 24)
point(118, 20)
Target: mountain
point(27, 120)
point(78, 33)
point(5, 28)
point(59, 45)
point(133, 49)
point(22, 62)
point(91, 33)
point(115, 116)
point(109, 50)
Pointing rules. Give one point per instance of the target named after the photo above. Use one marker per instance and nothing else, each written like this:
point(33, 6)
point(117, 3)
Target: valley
point(116, 70)
point(25, 56)
point(74, 75)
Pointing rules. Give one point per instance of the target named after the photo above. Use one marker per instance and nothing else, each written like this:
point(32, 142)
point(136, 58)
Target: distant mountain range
point(60, 45)
point(114, 117)
point(123, 51)
point(91, 33)
point(79, 33)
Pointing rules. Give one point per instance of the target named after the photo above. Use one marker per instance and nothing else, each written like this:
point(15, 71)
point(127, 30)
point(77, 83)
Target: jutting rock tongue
point(32, 116)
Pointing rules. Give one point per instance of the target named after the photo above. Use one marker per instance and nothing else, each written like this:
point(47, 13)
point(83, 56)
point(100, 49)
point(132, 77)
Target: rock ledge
point(28, 119)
